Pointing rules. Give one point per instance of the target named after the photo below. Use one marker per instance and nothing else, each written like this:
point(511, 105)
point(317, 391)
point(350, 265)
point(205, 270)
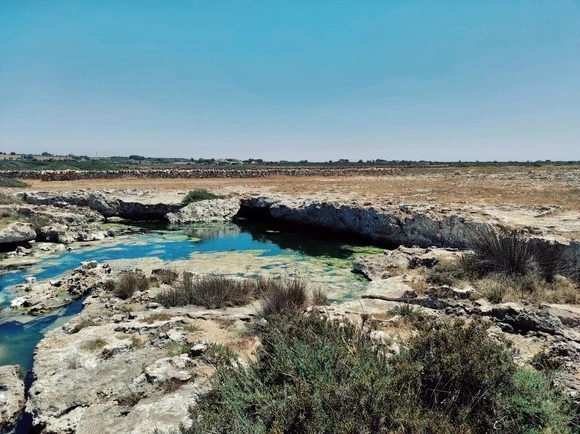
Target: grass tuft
point(284, 298)
point(94, 344)
point(212, 292)
point(127, 284)
point(8, 199)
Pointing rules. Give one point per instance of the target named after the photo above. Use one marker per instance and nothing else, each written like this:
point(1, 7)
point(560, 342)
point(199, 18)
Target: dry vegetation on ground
point(550, 185)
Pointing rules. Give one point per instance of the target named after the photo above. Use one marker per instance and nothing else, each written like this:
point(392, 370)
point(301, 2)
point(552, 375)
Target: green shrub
point(197, 196)
point(533, 407)
point(128, 283)
point(463, 372)
point(8, 182)
point(316, 376)
point(219, 354)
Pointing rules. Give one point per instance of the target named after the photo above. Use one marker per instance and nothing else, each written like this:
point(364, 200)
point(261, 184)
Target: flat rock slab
point(392, 289)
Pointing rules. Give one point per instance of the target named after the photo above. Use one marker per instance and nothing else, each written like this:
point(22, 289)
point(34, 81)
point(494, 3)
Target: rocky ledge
point(127, 365)
point(216, 210)
point(420, 225)
point(39, 298)
point(131, 205)
point(134, 366)
point(11, 397)
point(16, 233)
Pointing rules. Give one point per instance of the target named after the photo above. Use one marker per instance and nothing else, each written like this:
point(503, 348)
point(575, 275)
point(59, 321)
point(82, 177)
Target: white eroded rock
point(17, 233)
point(11, 396)
point(216, 210)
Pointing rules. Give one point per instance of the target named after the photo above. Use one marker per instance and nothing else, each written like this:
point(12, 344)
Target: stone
point(512, 318)
point(198, 349)
point(462, 293)
point(169, 368)
point(380, 337)
point(17, 232)
point(391, 289)
point(214, 210)
point(23, 251)
point(11, 396)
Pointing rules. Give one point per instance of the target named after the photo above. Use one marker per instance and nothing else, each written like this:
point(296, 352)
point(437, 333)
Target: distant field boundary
point(69, 175)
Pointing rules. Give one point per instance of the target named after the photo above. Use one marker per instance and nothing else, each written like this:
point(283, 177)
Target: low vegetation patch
point(409, 312)
point(450, 273)
point(158, 316)
point(506, 266)
point(284, 298)
point(9, 182)
point(219, 354)
point(319, 297)
point(127, 284)
point(166, 275)
point(316, 376)
point(198, 196)
point(85, 322)
point(217, 292)
point(510, 253)
point(94, 344)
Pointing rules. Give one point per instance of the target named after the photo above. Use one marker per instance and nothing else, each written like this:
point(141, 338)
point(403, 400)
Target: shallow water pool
point(227, 249)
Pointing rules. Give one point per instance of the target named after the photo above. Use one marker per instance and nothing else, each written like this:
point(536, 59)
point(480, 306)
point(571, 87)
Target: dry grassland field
point(556, 186)
point(518, 196)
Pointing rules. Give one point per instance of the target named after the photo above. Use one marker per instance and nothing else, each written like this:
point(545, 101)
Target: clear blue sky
point(317, 80)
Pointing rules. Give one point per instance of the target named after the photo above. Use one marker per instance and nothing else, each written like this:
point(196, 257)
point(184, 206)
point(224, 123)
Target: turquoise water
point(265, 247)
point(163, 245)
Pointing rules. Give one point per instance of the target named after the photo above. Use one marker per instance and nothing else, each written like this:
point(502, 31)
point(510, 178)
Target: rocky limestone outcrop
point(111, 370)
point(402, 258)
point(17, 232)
point(406, 225)
point(11, 397)
point(409, 225)
point(106, 204)
point(38, 298)
point(216, 210)
point(64, 223)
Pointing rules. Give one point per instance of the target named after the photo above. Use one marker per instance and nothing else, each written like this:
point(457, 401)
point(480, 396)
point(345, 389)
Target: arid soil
point(556, 186)
point(545, 197)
